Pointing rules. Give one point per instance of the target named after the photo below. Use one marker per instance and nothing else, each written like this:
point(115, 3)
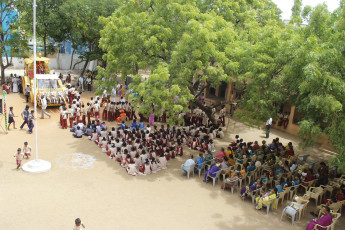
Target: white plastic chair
point(203, 165)
point(188, 171)
point(231, 182)
point(214, 178)
point(293, 211)
point(315, 193)
point(269, 204)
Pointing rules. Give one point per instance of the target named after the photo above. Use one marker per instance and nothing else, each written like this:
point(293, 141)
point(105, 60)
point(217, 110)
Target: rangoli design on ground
point(76, 160)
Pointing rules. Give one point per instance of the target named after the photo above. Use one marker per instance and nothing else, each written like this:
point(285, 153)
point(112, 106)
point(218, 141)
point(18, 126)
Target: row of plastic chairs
point(191, 169)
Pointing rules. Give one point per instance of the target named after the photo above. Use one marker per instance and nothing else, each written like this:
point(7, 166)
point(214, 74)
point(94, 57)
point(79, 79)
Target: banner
point(5, 111)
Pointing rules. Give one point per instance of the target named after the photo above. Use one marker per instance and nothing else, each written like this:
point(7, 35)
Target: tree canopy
point(191, 45)
point(192, 41)
point(12, 40)
point(303, 66)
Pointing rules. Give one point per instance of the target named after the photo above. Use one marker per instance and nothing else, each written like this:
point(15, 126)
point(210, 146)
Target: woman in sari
point(212, 172)
point(123, 114)
point(152, 119)
point(266, 198)
point(246, 189)
point(323, 222)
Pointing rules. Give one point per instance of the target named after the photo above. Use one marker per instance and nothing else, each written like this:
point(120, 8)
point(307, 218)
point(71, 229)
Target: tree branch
point(78, 63)
point(201, 91)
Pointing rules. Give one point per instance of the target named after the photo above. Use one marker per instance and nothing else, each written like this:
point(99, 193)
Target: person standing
point(81, 83)
point(27, 92)
point(152, 119)
point(44, 107)
point(222, 116)
point(20, 87)
point(25, 116)
point(286, 119)
point(96, 107)
point(268, 127)
point(89, 82)
point(68, 79)
point(61, 78)
point(27, 149)
point(15, 84)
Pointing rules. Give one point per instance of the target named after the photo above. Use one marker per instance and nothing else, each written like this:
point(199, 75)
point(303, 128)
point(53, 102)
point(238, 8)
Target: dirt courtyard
point(105, 197)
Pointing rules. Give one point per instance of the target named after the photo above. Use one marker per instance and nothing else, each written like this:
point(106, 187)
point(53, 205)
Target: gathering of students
point(140, 149)
point(143, 147)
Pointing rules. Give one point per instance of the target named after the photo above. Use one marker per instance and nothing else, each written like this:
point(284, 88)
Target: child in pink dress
point(19, 157)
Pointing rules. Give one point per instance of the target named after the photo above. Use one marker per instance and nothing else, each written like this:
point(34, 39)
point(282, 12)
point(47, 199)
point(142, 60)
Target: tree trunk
point(206, 109)
point(70, 67)
point(2, 73)
point(45, 46)
point(84, 68)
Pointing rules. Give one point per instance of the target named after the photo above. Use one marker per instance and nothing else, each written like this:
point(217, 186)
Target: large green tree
point(303, 66)
point(12, 41)
point(186, 39)
point(83, 26)
point(51, 23)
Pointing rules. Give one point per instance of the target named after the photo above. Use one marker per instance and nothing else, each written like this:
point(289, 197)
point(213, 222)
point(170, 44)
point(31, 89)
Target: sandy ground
point(105, 197)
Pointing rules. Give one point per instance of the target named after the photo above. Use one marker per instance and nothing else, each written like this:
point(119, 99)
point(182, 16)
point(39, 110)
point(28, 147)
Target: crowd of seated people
point(143, 150)
point(271, 166)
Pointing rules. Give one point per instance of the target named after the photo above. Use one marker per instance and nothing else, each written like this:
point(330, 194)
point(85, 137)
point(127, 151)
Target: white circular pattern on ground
point(76, 160)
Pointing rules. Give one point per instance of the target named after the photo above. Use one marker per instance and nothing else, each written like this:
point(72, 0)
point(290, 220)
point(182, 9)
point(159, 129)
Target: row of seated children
point(140, 151)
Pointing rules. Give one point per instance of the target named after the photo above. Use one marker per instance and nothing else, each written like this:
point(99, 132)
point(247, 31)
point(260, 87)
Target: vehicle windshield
point(47, 84)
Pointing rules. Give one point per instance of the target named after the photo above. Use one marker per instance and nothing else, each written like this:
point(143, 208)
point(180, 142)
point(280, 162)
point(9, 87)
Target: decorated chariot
point(47, 84)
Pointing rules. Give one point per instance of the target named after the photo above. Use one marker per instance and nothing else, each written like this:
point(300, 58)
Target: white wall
point(59, 62)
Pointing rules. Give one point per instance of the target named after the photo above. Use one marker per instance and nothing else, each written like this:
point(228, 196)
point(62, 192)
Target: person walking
point(31, 121)
point(19, 157)
point(11, 118)
point(25, 116)
point(44, 107)
point(268, 127)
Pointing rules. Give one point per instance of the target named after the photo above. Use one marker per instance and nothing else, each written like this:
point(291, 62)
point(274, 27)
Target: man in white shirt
point(222, 116)
point(89, 83)
point(186, 166)
point(96, 107)
point(113, 95)
point(268, 127)
point(44, 107)
point(81, 83)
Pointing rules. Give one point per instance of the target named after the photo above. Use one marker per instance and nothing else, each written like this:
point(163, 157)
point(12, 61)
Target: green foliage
point(10, 37)
point(195, 41)
point(296, 12)
point(157, 93)
point(73, 20)
point(83, 25)
point(303, 66)
point(51, 23)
